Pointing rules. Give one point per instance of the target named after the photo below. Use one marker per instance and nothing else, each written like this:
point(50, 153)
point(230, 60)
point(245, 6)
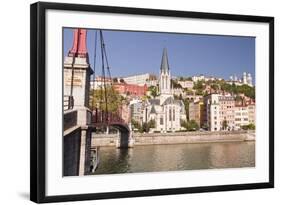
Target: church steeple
point(164, 63)
point(165, 75)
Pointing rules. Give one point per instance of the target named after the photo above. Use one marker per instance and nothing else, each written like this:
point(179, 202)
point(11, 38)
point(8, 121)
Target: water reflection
point(176, 157)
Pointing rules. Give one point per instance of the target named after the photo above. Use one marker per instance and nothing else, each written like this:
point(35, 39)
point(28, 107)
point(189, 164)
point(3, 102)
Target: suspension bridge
point(83, 114)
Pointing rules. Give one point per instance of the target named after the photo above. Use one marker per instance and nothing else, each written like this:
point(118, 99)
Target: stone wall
point(71, 153)
point(176, 138)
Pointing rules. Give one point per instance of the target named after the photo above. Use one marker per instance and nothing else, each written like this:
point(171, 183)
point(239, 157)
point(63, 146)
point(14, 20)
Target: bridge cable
point(103, 75)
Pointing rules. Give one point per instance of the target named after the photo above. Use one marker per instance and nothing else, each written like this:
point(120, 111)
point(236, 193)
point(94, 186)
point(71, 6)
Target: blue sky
point(132, 53)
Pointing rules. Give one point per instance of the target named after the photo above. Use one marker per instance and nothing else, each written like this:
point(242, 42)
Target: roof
point(153, 111)
point(154, 101)
point(164, 62)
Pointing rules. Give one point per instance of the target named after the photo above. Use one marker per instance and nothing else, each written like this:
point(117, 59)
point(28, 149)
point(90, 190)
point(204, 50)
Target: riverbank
point(176, 138)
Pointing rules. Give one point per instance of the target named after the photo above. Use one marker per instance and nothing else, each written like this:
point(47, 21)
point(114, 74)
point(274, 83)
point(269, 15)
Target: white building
point(186, 84)
point(212, 112)
point(245, 80)
point(98, 82)
point(141, 79)
point(165, 110)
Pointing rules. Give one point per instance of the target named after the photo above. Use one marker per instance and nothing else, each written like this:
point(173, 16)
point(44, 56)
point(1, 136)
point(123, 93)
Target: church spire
point(164, 63)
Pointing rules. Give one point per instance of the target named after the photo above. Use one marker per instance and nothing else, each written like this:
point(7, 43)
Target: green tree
point(186, 106)
point(136, 125)
point(175, 84)
point(190, 125)
point(151, 124)
point(97, 99)
point(224, 125)
point(249, 127)
point(198, 85)
point(153, 91)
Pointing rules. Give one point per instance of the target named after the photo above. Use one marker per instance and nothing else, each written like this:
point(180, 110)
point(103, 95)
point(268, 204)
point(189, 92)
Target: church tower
point(165, 75)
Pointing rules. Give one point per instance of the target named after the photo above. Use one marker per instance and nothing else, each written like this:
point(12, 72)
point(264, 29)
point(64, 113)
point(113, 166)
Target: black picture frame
point(38, 101)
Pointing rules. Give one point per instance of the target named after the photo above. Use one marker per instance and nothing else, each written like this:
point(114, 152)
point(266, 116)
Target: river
point(152, 158)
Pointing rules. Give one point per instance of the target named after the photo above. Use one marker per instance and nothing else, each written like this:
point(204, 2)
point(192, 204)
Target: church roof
point(154, 101)
point(153, 111)
point(164, 62)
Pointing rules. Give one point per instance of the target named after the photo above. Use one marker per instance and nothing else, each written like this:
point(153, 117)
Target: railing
point(106, 117)
point(68, 102)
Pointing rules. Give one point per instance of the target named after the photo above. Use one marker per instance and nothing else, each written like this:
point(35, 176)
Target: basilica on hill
point(166, 111)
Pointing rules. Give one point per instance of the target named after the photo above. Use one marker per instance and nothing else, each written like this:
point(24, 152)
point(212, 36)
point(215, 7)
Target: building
point(99, 81)
point(204, 78)
point(245, 80)
point(227, 112)
point(196, 112)
point(224, 113)
point(212, 117)
point(220, 112)
point(252, 113)
point(141, 79)
point(130, 89)
point(186, 84)
point(164, 109)
point(136, 111)
point(241, 116)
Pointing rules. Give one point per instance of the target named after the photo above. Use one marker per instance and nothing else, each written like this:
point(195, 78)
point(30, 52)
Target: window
point(161, 120)
point(174, 114)
point(170, 114)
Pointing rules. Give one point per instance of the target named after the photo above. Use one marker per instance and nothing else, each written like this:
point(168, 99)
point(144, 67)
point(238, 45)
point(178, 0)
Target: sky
point(131, 53)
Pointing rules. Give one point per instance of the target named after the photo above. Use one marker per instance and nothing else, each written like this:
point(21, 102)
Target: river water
point(152, 158)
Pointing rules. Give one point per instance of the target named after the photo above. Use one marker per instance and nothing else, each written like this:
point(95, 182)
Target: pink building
point(130, 89)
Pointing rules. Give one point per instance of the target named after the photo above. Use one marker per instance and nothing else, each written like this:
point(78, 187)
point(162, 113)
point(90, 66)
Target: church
point(166, 111)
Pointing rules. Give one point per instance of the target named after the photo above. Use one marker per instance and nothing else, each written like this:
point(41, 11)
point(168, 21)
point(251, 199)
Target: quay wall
point(175, 138)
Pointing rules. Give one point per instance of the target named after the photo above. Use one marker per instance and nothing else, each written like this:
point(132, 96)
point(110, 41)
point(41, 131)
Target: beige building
point(241, 116)
point(252, 113)
point(227, 112)
point(220, 112)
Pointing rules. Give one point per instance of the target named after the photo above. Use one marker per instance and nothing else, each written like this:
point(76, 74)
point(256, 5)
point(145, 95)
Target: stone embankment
point(176, 138)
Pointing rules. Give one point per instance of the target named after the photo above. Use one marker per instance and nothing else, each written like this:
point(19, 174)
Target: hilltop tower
point(249, 79)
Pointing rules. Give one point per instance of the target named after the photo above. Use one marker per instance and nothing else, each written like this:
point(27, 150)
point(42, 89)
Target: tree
point(97, 99)
point(176, 84)
point(186, 106)
point(190, 125)
point(249, 127)
point(153, 91)
point(136, 125)
point(224, 125)
point(215, 86)
point(151, 124)
point(122, 80)
point(198, 85)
